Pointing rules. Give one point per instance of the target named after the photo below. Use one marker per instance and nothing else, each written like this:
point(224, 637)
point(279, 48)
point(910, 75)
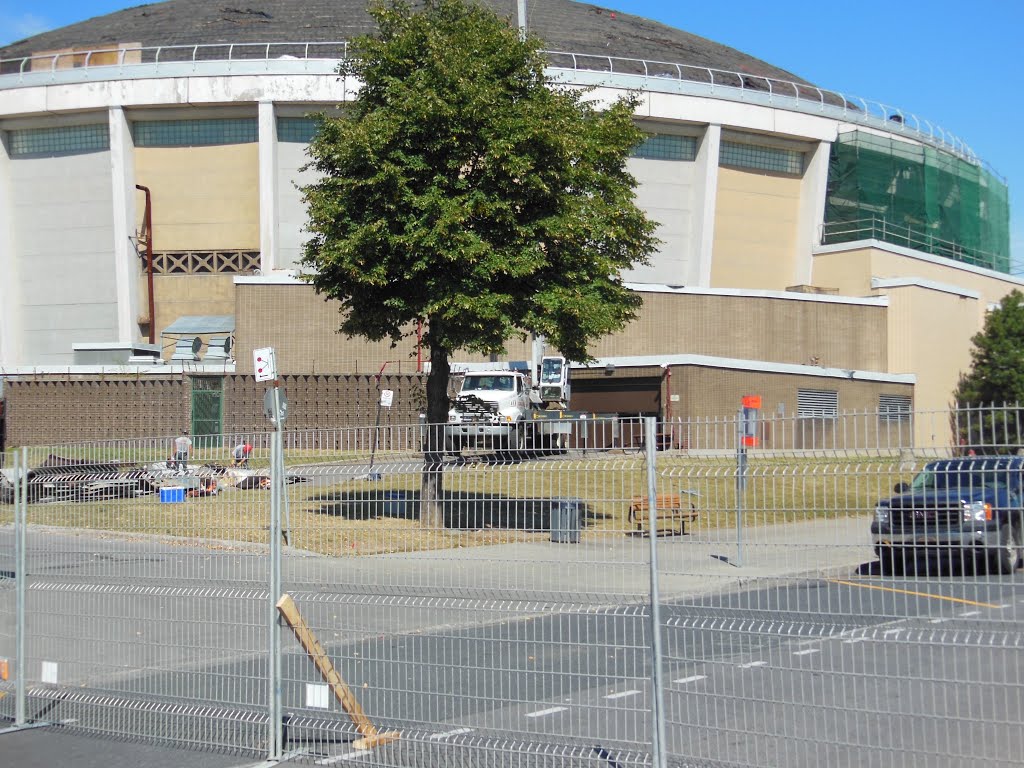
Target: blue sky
point(954, 63)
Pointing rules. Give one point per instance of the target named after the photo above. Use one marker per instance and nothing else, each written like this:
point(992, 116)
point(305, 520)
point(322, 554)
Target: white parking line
point(340, 758)
point(937, 621)
point(892, 631)
point(545, 712)
point(965, 614)
point(855, 640)
point(750, 664)
point(692, 679)
point(446, 734)
point(808, 652)
point(621, 694)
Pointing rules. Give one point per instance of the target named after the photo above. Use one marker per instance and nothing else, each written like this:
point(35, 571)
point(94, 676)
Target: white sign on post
point(264, 363)
point(387, 396)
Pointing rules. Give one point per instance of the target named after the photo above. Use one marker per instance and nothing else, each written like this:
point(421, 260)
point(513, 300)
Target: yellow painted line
point(915, 594)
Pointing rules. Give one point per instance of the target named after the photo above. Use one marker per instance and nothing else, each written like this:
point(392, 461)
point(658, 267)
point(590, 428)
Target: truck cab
point(491, 407)
point(971, 507)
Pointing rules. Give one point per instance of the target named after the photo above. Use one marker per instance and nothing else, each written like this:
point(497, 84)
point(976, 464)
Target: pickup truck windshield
point(950, 479)
point(490, 383)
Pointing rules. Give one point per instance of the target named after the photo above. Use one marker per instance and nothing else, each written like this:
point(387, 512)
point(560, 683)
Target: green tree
point(465, 191)
point(988, 394)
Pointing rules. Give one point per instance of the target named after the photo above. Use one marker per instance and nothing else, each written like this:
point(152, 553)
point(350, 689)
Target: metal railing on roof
point(70, 66)
point(916, 238)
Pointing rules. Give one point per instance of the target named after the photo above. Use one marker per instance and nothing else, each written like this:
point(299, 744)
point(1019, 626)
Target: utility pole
point(521, 8)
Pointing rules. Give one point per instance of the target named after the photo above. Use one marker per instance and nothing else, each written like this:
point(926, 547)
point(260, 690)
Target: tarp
point(918, 197)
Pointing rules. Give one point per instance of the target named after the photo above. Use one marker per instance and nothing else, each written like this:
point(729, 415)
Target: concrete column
point(269, 213)
point(813, 192)
point(10, 305)
point(127, 267)
point(706, 185)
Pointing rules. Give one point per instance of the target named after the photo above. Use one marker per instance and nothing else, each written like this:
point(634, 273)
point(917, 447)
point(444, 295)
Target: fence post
point(20, 560)
point(275, 734)
point(741, 485)
point(650, 452)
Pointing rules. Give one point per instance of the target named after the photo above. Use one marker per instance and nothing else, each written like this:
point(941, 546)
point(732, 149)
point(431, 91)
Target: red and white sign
point(264, 363)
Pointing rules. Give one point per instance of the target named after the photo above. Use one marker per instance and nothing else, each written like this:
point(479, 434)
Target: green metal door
point(207, 405)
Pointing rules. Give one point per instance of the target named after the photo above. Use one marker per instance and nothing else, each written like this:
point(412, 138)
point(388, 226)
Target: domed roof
point(562, 25)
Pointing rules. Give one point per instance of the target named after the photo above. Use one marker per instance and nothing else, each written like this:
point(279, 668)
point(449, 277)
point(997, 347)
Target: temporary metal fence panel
point(811, 652)
point(593, 601)
point(473, 627)
point(145, 599)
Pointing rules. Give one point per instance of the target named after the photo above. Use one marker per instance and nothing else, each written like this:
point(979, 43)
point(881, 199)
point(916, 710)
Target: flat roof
point(195, 324)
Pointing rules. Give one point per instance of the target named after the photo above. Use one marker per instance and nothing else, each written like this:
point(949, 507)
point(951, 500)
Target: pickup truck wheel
point(1004, 558)
point(889, 560)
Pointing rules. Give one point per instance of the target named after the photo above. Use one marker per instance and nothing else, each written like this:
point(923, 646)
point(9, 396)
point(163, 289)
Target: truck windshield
point(953, 479)
point(489, 383)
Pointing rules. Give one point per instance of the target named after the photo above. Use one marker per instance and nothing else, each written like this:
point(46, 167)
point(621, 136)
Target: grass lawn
point(494, 503)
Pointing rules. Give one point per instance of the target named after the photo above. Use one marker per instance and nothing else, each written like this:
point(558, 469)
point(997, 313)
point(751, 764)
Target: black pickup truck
point(969, 508)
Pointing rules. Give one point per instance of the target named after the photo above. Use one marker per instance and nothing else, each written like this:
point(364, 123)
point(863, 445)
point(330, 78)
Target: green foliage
point(464, 190)
point(996, 380)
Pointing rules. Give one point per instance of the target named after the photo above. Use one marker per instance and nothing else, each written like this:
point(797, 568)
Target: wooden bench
point(673, 511)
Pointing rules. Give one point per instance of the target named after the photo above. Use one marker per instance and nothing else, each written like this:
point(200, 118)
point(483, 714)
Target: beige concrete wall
point(204, 198)
point(851, 271)
point(756, 221)
point(301, 326)
point(930, 330)
point(930, 335)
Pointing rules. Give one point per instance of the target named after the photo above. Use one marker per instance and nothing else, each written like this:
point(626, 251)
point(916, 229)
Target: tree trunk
point(432, 486)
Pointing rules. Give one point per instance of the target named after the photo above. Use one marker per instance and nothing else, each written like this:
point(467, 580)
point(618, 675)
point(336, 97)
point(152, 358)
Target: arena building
point(827, 252)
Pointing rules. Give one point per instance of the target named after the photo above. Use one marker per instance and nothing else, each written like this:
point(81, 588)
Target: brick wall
point(324, 402)
point(54, 411)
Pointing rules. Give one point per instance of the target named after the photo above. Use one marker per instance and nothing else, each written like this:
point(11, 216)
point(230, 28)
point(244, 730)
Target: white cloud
point(13, 28)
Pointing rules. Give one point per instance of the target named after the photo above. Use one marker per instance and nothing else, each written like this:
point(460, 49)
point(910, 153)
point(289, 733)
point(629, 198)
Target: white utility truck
point(499, 407)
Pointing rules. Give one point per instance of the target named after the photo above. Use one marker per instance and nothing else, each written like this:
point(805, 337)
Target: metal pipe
point(419, 347)
point(147, 225)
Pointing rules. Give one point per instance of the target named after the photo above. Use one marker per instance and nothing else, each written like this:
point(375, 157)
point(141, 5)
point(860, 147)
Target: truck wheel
point(514, 443)
point(1004, 558)
point(887, 560)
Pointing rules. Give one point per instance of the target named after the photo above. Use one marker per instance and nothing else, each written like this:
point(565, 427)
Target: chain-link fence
point(612, 595)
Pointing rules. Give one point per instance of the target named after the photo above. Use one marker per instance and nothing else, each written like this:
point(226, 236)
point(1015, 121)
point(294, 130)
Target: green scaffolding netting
point(916, 196)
